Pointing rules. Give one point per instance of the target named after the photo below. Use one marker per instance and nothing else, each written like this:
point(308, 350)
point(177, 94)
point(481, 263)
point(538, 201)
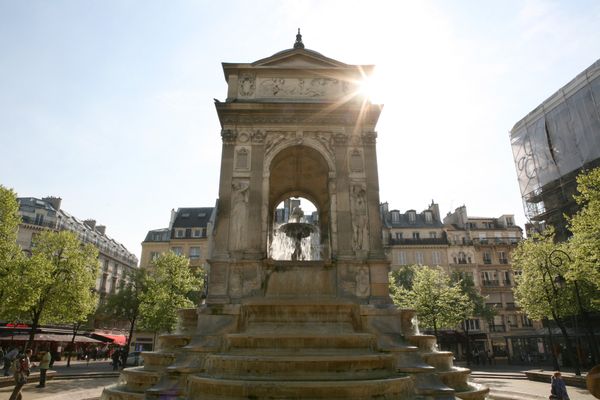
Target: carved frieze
point(319, 88)
point(276, 137)
point(277, 120)
point(369, 137)
point(247, 85)
point(228, 136)
point(340, 139)
point(258, 136)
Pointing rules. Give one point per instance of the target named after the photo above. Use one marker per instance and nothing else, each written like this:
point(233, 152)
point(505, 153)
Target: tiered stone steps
point(298, 348)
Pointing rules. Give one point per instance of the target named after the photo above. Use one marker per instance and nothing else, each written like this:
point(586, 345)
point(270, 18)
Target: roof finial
point(298, 44)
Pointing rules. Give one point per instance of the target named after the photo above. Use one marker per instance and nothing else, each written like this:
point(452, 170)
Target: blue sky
point(109, 104)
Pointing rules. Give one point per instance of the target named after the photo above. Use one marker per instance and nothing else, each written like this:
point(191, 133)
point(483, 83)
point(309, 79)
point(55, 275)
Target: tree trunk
point(551, 339)
point(128, 344)
point(72, 343)
point(35, 322)
point(588, 327)
point(572, 356)
point(468, 344)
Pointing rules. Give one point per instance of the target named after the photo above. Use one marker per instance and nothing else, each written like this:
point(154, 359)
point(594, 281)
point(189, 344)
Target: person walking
point(8, 359)
point(44, 366)
point(22, 371)
point(558, 389)
point(116, 357)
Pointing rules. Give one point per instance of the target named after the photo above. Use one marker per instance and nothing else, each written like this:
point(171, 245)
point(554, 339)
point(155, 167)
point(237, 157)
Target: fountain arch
point(301, 171)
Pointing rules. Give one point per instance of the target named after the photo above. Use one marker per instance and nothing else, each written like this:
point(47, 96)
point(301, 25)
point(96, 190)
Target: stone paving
point(501, 381)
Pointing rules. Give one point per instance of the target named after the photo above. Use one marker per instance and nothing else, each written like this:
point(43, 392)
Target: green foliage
point(538, 271)
point(478, 305)
point(170, 287)
point(10, 252)
point(54, 285)
point(438, 302)
point(584, 246)
point(125, 303)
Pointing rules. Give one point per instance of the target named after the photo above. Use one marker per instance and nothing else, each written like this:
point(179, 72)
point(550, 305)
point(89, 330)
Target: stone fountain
point(293, 124)
point(297, 230)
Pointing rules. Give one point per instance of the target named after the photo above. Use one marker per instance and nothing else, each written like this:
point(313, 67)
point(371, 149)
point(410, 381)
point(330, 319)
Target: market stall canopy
point(49, 337)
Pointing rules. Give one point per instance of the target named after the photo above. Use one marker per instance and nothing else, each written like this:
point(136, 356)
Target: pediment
point(299, 58)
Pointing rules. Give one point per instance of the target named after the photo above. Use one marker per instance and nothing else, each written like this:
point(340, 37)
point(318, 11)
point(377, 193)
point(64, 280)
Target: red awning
point(49, 337)
point(121, 340)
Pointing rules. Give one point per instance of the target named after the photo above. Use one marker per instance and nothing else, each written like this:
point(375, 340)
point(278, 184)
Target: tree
point(478, 306)
point(538, 291)
point(584, 245)
point(171, 286)
point(125, 303)
point(151, 298)
point(54, 285)
point(10, 252)
point(438, 302)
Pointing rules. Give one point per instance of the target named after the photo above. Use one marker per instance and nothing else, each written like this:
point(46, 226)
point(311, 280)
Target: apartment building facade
point(116, 262)
point(478, 247)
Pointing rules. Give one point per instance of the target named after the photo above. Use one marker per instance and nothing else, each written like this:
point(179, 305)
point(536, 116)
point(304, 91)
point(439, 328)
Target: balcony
point(503, 260)
point(511, 306)
point(426, 241)
point(491, 283)
point(32, 221)
point(507, 282)
point(497, 328)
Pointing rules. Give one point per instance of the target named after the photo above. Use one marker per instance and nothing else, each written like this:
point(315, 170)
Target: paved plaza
point(506, 383)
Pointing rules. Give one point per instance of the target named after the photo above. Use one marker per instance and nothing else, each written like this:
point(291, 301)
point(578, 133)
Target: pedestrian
point(558, 389)
point(22, 370)
point(491, 357)
point(44, 366)
point(115, 360)
point(8, 359)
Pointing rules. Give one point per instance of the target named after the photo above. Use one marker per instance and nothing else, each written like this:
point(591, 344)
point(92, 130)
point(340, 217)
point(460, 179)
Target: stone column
point(343, 213)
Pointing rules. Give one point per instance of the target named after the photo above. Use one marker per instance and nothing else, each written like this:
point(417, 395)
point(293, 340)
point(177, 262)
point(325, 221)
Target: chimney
point(101, 229)
point(91, 223)
point(54, 201)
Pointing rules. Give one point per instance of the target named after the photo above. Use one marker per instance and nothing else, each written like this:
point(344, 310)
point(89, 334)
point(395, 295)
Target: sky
point(109, 104)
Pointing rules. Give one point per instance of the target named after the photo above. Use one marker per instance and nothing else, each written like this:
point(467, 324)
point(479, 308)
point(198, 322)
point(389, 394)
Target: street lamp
point(556, 258)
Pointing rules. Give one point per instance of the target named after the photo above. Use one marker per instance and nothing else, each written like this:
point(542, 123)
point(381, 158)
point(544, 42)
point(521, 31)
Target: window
point(153, 255)
point(412, 217)
point(419, 258)
point(433, 235)
point(401, 257)
point(179, 233)
point(428, 216)
point(502, 257)
point(395, 216)
point(471, 324)
point(39, 219)
point(196, 232)
point(194, 253)
point(435, 258)
point(399, 235)
point(177, 250)
point(462, 258)
point(487, 257)
point(416, 235)
point(482, 238)
point(509, 221)
point(526, 321)
point(507, 281)
point(489, 278)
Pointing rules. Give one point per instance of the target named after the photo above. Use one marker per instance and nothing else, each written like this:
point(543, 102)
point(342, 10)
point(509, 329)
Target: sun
point(370, 88)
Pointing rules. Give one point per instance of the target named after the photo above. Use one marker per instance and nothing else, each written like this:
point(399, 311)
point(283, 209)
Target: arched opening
point(299, 173)
point(296, 231)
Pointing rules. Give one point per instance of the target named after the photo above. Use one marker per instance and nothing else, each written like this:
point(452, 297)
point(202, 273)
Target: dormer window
point(412, 217)
point(428, 217)
point(396, 216)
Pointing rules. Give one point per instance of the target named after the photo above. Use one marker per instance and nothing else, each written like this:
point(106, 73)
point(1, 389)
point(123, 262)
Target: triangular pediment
point(299, 58)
